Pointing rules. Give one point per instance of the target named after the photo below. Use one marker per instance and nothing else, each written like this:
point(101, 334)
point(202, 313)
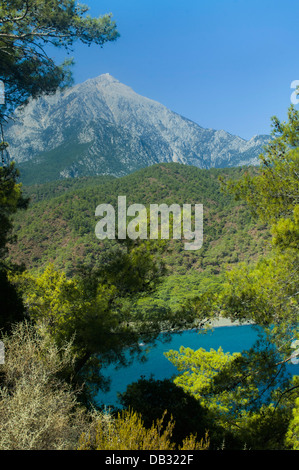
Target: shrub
point(38, 408)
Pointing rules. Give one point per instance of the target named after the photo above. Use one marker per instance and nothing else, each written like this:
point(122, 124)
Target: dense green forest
point(59, 224)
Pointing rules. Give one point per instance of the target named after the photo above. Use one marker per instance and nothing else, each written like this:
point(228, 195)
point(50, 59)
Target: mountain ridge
point(102, 126)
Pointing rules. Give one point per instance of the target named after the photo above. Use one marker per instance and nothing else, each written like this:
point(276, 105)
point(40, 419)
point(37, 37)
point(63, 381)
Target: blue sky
point(225, 64)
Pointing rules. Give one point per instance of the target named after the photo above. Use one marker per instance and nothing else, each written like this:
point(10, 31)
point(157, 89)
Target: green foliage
point(230, 387)
point(199, 368)
point(12, 308)
point(286, 232)
point(11, 199)
point(127, 432)
point(151, 397)
point(93, 306)
point(273, 192)
point(250, 393)
point(26, 28)
point(118, 292)
point(38, 408)
point(292, 437)
point(268, 292)
point(98, 308)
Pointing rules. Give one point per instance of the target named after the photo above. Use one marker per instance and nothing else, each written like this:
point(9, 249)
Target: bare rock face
point(103, 127)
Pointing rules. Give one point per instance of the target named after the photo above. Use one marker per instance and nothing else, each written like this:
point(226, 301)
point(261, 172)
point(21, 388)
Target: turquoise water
point(230, 338)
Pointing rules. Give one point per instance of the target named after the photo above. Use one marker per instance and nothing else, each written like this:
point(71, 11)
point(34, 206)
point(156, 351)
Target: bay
point(230, 338)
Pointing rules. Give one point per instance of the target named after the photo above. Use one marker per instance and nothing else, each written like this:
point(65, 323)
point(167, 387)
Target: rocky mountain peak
point(102, 126)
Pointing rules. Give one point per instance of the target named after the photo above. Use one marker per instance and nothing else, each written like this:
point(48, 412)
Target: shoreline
point(219, 322)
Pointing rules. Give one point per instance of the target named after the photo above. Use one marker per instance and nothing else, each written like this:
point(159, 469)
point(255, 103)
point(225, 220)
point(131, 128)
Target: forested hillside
point(59, 225)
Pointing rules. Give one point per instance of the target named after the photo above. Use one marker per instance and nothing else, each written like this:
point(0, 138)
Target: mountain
point(103, 127)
